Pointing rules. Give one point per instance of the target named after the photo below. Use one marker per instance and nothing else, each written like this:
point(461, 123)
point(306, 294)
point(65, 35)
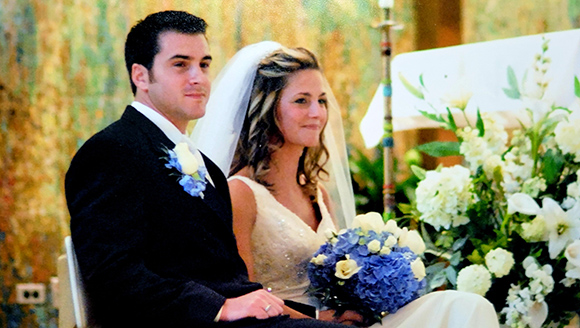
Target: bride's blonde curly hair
point(261, 136)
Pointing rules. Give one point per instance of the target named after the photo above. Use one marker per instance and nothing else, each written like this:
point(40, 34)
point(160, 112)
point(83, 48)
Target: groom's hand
point(259, 304)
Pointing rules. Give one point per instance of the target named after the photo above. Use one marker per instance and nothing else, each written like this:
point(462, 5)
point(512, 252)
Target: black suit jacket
point(149, 253)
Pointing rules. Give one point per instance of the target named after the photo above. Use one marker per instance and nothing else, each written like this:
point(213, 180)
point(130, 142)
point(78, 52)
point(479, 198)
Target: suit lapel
point(217, 198)
point(214, 199)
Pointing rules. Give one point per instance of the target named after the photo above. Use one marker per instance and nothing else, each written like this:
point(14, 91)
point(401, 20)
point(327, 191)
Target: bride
point(273, 124)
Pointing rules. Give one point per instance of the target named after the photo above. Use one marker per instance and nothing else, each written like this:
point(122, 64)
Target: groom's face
point(179, 83)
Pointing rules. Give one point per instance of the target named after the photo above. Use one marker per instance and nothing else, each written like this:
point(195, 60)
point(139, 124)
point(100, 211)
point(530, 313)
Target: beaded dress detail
point(283, 244)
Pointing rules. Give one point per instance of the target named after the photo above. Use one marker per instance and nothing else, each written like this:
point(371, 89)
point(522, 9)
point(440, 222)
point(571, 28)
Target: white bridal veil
point(217, 133)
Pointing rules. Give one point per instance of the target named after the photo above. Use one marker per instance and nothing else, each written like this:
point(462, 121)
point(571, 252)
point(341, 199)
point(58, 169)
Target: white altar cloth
point(479, 69)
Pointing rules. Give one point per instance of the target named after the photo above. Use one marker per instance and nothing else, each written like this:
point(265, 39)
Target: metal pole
point(388, 142)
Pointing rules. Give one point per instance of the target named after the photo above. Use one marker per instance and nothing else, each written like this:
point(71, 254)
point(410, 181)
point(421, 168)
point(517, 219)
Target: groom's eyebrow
point(185, 57)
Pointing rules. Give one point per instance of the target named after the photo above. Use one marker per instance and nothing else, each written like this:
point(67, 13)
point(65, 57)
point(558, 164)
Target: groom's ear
point(140, 76)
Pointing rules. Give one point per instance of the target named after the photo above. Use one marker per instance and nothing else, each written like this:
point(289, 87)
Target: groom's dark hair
point(143, 40)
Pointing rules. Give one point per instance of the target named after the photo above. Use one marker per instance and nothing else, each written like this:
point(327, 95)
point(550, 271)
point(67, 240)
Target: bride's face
point(302, 109)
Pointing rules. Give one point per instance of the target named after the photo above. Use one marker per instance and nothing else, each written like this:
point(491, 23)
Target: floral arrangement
point(192, 175)
point(373, 268)
point(507, 223)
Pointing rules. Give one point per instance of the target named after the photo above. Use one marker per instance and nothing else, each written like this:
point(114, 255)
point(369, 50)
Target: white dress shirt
point(170, 130)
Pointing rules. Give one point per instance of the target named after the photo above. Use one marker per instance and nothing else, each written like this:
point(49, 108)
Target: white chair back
point(66, 315)
point(72, 290)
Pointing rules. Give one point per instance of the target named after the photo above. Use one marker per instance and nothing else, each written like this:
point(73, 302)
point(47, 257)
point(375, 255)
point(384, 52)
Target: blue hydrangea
point(384, 283)
point(193, 185)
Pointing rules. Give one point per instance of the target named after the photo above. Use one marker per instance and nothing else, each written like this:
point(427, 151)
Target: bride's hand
point(347, 318)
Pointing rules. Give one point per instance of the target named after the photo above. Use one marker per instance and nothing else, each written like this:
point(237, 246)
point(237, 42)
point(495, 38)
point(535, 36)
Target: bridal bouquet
point(507, 223)
point(372, 268)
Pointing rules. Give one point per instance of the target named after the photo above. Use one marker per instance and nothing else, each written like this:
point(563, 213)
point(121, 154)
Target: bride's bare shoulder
point(243, 201)
point(239, 190)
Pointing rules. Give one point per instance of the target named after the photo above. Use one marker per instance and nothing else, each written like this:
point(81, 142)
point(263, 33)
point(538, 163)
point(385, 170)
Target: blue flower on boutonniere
point(192, 177)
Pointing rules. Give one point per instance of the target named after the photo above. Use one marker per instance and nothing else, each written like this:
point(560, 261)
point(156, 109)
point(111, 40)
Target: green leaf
point(421, 81)
point(406, 208)
point(487, 248)
point(576, 87)
point(513, 91)
point(479, 125)
point(451, 275)
point(426, 238)
point(444, 241)
point(545, 45)
point(458, 244)
point(438, 280)
point(440, 148)
point(552, 161)
point(475, 257)
point(433, 269)
point(455, 258)
point(434, 117)
point(412, 89)
point(451, 123)
point(514, 94)
point(418, 171)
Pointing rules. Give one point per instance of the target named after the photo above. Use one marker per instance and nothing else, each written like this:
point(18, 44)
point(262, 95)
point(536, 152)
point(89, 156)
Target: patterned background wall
point(62, 78)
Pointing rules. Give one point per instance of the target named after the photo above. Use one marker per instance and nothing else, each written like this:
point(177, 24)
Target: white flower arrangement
point(507, 225)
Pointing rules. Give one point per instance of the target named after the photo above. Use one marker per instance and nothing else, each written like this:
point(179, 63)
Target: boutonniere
point(192, 177)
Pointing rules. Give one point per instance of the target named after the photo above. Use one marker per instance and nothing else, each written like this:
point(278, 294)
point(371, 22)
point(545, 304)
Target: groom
point(150, 253)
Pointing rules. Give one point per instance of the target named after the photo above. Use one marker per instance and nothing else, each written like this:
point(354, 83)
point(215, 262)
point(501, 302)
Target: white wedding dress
point(282, 246)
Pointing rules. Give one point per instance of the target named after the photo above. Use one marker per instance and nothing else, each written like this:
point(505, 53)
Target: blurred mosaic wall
point(62, 78)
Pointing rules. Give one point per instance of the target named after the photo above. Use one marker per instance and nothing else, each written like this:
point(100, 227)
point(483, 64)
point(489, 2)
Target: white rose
point(370, 221)
point(572, 253)
point(319, 259)
point(329, 234)
point(374, 246)
point(391, 226)
point(418, 269)
point(189, 164)
point(474, 279)
point(413, 240)
point(385, 250)
point(499, 262)
point(390, 242)
point(346, 268)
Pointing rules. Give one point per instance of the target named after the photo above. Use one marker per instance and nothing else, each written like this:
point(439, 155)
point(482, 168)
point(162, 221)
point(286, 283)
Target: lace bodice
point(283, 244)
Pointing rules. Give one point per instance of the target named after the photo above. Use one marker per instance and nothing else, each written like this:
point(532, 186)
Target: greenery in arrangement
point(368, 177)
point(506, 224)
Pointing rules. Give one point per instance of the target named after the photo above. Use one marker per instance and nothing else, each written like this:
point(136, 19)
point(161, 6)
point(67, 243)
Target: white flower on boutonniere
point(192, 177)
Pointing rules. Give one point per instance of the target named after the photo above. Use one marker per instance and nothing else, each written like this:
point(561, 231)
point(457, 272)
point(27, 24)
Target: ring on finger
point(267, 307)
